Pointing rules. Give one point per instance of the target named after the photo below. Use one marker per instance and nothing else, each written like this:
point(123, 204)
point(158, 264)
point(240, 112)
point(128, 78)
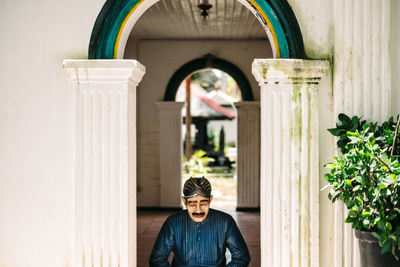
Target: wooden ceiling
point(181, 19)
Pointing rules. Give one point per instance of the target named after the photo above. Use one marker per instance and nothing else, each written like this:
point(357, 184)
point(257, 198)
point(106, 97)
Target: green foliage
point(197, 164)
point(366, 178)
point(346, 125)
point(384, 133)
point(205, 78)
point(212, 137)
point(209, 80)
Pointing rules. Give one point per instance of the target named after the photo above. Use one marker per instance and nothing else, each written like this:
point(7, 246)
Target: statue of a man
point(199, 235)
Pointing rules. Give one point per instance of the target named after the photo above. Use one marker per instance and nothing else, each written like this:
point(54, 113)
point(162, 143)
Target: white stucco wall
point(162, 58)
point(315, 21)
point(395, 56)
point(36, 128)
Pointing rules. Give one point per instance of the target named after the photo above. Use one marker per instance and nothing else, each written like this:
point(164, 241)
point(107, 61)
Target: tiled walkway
point(150, 222)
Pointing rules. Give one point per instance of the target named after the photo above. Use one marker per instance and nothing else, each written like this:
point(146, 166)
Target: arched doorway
point(168, 61)
point(109, 36)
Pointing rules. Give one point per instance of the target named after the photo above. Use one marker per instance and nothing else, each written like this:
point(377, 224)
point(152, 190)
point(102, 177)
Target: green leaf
point(352, 214)
point(393, 177)
point(342, 143)
point(356, 188)
point(350, 171)
point(359, 179)
point(386, 247)
point(330, 165)
point(351, 133)
point(388, 180)
point(346, 121)
point(388, 192)
point(388, 226)
point(367, 223)
point(354, 139)
point(376, 235)
point(336, 131)
point(356, 224)
point(365, 214)
point(370, 137)
point(355, 121)
point(381, 225)
point(335, 198)
point(376, 220)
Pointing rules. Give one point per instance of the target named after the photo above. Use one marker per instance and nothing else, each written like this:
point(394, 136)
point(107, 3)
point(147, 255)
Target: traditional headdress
point(198, 186)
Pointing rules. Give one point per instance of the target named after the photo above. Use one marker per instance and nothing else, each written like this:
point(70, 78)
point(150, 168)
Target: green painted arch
point(276, 15)
point(208, 61)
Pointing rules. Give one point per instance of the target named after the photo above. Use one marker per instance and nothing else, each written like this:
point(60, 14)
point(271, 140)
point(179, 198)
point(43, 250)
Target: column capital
point(289, 70)
point(104, 71)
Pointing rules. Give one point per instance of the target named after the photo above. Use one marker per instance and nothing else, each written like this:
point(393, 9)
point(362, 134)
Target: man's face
point(197, 207)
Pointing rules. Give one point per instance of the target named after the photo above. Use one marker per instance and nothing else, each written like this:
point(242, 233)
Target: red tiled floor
point(149, 224)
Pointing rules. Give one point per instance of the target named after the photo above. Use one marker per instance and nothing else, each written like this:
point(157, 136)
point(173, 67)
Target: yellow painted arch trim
point(122, 28)
point(259, 9)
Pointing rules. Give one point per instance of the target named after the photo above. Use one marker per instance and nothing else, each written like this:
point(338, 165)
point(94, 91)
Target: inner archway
point(208, 61)
point(209, 132)
point(247, 129)
point(118, 17)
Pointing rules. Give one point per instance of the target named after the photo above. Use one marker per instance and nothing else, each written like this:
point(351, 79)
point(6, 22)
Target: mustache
point(198, 214)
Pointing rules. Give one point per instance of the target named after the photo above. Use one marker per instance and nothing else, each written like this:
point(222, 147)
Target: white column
point(362, 85)
point(171, 150)
point(289, 160)
point(105, 160)
point(248, 157)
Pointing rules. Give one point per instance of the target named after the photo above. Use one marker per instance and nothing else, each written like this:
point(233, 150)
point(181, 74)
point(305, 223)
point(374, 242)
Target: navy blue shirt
point(200, 244)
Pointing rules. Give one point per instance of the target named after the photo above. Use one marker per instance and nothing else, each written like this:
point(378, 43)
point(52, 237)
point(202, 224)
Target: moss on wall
point(316, 27)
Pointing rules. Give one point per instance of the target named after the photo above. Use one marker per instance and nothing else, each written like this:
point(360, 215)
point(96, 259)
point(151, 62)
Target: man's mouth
point(198, 215)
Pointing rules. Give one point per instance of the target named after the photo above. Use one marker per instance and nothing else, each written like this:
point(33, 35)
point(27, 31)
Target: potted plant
point(366, 178)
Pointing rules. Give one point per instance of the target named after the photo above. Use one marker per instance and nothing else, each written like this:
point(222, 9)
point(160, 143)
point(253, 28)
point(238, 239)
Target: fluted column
point(289, 160)
point(362, 85)
point(170, 153)
point(248, 157)
point(105, 160)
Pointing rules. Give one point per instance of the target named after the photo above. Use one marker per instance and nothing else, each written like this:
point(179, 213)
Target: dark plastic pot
point(370, 252)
